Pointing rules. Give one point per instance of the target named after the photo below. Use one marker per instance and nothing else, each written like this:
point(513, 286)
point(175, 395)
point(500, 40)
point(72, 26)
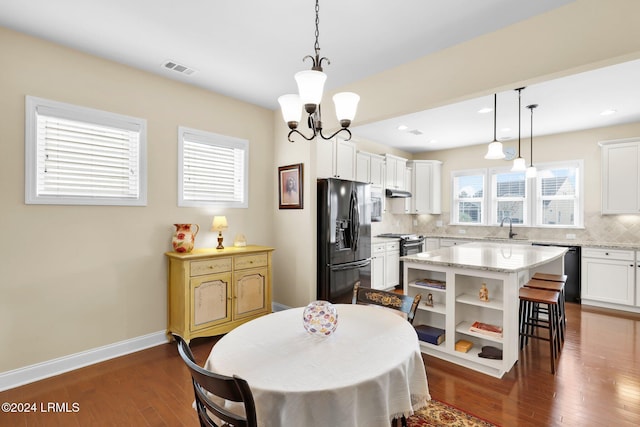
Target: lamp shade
point(346, 105)
point(219, 223)
point(519, 165)
point(291, 107)
point(310, 86)
point(495, 151)
point(531, 172)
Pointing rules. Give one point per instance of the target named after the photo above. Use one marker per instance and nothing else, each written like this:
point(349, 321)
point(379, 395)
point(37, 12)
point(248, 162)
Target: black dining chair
point(400, 302)
point(206, 384)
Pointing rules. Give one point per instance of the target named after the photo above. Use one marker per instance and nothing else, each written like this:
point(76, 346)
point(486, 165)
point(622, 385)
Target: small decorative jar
point(184, 237)
point(320, 318)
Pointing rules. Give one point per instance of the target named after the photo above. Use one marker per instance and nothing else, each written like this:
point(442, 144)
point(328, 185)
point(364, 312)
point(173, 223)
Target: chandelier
point(310, 88)
point(519, 165)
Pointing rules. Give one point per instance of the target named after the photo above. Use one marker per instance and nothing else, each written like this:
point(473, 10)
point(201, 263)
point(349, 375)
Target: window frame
point(455, 200)
point(217, 140)
point(533, 200)
point(90, 116)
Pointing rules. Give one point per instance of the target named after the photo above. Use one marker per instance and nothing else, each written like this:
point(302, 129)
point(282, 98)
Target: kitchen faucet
point(511, 233)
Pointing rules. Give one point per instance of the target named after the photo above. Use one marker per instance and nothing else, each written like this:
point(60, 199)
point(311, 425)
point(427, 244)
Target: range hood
point(397, 193)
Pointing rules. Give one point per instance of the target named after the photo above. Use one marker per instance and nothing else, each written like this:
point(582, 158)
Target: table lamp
point(219, 224)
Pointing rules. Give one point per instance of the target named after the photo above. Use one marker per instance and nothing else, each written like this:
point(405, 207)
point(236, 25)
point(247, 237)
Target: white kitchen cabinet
point(392, 264)
point(385, 264)
point(426, 186)
point(621, 176)
point(609, 277)
point(336, 158)
point(395, 168)
point(378, 277)
point(370, 168)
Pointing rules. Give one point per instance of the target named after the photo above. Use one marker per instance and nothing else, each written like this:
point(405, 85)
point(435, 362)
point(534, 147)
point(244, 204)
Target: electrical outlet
point(415, 222)
point(438, 223)
point(462, 231)
point(570, 236)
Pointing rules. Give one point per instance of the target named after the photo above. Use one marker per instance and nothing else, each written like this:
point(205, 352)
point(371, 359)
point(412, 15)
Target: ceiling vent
point(178, 68)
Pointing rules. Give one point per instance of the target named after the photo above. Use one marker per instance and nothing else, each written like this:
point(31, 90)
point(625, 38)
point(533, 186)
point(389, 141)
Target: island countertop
point(500, 257)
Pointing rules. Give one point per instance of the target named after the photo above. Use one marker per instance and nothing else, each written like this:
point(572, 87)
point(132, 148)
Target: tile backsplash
point(598, 228)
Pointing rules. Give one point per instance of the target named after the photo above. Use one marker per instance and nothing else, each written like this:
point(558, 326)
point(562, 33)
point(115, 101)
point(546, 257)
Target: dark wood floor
point(597, 384)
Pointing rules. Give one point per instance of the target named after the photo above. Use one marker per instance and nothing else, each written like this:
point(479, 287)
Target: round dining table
point(367, 373)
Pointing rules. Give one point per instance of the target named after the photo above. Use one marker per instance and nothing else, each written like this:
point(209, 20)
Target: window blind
point(80, 159)
point(213, 169)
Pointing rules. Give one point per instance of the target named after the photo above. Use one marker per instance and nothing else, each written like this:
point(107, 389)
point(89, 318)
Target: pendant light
point(531, 170)
point(310, 89)
point(519, 165)
point(495, 148)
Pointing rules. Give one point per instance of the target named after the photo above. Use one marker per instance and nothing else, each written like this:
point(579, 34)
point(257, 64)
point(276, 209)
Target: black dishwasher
point(572, 270)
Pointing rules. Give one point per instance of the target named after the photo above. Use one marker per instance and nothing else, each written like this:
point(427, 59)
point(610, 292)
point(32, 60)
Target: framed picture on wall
point(290, 186)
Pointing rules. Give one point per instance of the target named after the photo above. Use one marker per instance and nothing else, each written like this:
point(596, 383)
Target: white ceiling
point(250, 49)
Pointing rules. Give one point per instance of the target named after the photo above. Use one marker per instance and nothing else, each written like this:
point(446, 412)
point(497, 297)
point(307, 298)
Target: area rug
point(437, 413)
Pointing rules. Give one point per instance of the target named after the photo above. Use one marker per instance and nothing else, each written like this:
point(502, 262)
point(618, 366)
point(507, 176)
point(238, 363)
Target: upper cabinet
point(621, 176)
point(426, 186)
point(370, 168)
point(336, 158)
point(395, 172)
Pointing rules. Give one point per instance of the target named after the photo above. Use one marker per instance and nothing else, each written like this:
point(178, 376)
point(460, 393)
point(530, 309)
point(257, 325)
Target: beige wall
point(583, 35)
point(78, 277)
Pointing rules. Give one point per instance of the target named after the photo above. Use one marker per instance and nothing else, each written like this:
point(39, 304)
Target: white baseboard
point(50, 368)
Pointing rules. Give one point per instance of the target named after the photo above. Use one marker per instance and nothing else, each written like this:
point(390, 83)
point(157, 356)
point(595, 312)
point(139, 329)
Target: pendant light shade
point(494, 152)
point(531, 170)
point(519, 165)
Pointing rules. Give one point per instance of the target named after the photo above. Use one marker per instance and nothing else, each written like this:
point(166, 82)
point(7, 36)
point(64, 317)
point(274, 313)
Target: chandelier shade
point(346, 104)
point(310, 87)
point(291, 108)
point(494, 151)
point(519, 165)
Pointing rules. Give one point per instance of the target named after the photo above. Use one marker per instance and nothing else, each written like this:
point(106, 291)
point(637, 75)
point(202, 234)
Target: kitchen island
point(450, 280)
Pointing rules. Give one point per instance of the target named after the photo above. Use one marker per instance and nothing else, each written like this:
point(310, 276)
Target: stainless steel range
point(410, 244)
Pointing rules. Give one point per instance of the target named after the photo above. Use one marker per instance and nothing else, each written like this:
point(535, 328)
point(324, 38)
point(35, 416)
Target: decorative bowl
point(320, 318)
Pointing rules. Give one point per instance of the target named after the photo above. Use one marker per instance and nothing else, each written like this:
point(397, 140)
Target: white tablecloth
point(365, 374)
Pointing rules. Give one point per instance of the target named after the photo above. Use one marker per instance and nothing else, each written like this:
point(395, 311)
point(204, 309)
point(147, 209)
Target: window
point(552, 199)
point(509, 192)
point(468, 197)
point(212, 169)
point(80, 156)
point(558, 201)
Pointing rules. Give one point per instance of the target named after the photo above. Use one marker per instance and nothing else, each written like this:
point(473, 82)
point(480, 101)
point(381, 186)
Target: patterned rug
point(440, 414)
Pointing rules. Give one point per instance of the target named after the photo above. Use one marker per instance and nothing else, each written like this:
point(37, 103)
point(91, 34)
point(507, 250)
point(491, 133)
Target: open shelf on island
point(463, 328)
point(436, 308)
point(471, 299)
point(413, 284)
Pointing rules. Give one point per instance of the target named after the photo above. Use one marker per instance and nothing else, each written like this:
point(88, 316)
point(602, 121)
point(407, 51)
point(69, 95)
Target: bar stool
point(552, 282)
point(530, 301)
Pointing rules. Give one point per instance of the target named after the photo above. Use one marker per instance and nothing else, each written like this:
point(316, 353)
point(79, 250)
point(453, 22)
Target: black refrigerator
point(344, 238)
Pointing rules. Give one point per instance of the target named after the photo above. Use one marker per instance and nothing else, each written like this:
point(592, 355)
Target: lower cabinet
point(212, 291)
point(385, 264)
point(609, 278)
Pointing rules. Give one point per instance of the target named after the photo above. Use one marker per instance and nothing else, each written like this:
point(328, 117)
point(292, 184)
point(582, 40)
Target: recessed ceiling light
point(485, 110)
point(608, 112)
point(432, 141)
point(403, 127)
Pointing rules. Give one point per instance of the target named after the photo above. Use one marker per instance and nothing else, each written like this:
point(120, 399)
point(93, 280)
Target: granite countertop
point(490, 256)
point(587, 243)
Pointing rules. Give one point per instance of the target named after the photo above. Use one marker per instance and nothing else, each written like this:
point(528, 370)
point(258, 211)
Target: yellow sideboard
point(212, 291)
